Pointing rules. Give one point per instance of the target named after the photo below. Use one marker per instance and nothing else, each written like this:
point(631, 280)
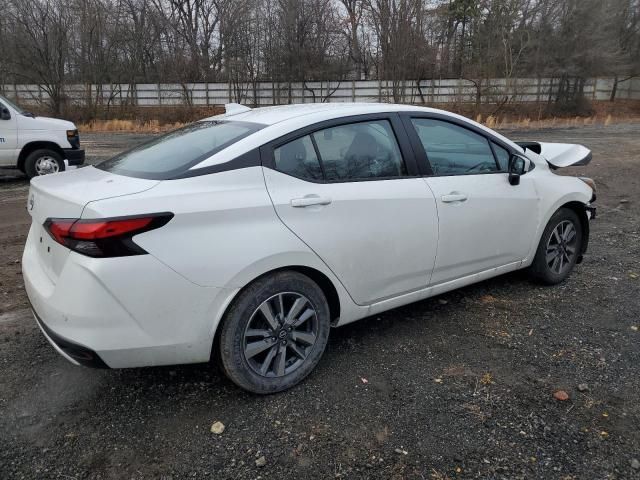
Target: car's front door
point(8, 137)
point(484, 221)
point(352, 193)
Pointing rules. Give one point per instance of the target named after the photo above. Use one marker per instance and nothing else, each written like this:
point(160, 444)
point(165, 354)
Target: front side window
point(6, 101)
point(174, 153)
point(360, 151)
point(454, 150)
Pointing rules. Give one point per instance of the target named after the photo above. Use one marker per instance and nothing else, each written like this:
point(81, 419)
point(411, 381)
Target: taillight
point(104, 237)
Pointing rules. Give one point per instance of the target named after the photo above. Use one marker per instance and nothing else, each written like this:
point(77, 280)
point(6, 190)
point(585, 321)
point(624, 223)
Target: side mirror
point(5, 114)
point(518, 166)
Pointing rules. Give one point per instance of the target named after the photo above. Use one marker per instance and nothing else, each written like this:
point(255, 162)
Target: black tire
point(235, 343)
point(566, 253)
point(32, 159)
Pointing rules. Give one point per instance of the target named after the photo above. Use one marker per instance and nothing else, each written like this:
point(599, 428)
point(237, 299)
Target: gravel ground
point(458, 386)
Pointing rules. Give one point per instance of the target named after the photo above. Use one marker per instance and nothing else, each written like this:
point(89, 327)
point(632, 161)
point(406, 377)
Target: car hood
point(44, 123)
point(560, 155)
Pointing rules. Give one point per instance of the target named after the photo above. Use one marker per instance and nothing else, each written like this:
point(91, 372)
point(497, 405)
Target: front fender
point(581, 195)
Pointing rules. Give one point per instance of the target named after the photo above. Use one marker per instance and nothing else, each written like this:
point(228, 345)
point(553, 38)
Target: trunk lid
point(560, 155)
point(65, 195)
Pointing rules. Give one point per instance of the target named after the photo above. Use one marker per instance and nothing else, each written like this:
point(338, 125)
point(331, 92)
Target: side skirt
point(428, 292)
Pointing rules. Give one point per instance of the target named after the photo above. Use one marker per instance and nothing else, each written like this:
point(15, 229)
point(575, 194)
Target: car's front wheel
point(559, 248)
point(42, 162)
point(274, 333)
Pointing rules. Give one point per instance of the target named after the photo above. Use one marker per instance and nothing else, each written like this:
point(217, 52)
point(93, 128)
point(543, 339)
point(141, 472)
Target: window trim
point(495, 156)
point(407, 152)
point(421, 154)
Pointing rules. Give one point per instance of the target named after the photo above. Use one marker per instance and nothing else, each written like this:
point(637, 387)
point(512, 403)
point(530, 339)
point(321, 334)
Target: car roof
point(283, 119)
point(280, 113)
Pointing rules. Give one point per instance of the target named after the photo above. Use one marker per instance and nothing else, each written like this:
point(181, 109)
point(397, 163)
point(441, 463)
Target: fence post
point(159, 95)
point(353, 90)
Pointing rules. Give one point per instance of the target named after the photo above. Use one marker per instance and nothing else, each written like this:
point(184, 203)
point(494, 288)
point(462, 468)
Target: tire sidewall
point(30, 161)
point(235, 322)
point(541, 269)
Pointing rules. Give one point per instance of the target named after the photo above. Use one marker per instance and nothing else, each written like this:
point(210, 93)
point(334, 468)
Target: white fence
point(270, 93)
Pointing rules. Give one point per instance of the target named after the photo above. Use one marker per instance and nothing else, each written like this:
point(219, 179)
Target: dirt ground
point(458, 386)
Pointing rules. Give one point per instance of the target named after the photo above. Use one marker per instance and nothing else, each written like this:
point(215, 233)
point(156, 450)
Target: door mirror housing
point(5, 114)
point(518, 165)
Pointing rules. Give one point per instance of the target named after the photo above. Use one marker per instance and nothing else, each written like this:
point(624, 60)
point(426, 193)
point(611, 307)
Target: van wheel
point(559, 248)
point(42, 162)
point(275, 332)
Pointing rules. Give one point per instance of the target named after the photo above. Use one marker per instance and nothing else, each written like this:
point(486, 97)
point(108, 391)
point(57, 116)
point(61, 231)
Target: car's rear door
point(350, 189)
point(484, 221)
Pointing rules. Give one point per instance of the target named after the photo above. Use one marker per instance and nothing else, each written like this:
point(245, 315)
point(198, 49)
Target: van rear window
point(172, 154)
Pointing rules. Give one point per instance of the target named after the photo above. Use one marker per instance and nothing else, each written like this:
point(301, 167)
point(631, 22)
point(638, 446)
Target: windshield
point(10, 104)
point(174, 153)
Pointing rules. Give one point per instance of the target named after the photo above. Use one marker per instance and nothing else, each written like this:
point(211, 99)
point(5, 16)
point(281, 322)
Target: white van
point(36, 145)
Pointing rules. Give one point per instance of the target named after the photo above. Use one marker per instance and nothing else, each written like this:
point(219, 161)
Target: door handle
point(453, 197)
point(309, 201)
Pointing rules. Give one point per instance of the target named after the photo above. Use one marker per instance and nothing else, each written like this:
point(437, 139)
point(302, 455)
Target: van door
point(8, 137)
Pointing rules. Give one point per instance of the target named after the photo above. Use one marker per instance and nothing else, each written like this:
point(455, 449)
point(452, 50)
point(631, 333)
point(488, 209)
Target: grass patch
point(129, 126)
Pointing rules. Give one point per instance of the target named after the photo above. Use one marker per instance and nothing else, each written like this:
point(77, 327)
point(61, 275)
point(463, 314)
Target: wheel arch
point(37, 145)
point(579, 209)
point(321, 279)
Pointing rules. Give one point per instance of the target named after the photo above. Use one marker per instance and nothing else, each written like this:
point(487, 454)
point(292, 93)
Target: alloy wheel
point(280, 334)
point(561, 247)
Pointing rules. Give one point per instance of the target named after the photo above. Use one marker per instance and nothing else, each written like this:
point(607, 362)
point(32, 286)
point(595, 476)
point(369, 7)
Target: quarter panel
point(223, 224)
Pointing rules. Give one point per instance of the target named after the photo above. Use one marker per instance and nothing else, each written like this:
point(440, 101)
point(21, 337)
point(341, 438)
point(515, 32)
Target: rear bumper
point(72, 351)
point(75, 156)
point(119, 312)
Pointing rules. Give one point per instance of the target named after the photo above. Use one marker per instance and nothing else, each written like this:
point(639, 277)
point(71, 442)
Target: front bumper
point(75, 156)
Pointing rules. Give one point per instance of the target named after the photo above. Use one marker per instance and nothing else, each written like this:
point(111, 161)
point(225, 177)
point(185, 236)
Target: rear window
point(174, 153)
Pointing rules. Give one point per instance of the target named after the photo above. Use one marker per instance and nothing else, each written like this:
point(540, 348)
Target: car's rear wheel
point(559, 248)
point(274, 333)
point(42, 162)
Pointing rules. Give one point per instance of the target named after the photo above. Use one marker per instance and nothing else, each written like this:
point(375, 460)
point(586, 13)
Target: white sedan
point(245, 237)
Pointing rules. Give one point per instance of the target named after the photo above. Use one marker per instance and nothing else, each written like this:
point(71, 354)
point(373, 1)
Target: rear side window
point(454, 150)
point(355, 151)
point(299, 159)
point(172, 154)
point(360, 151)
